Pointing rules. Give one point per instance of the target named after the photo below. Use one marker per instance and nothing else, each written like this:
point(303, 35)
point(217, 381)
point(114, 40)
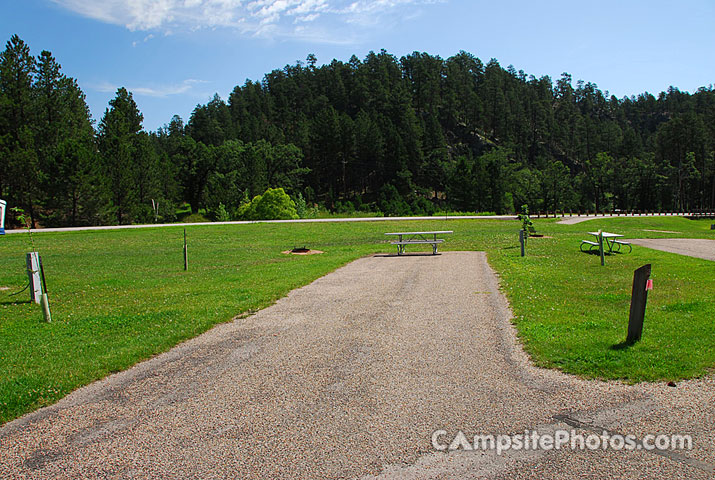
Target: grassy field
point(120, 296)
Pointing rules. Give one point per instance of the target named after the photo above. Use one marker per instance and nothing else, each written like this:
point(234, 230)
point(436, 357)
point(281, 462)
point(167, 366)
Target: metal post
point(42, 274)
point(45, 303)
point(521, 240)
point(639, 298)
point(33, 273)
point(186, 253)
point(44, 300)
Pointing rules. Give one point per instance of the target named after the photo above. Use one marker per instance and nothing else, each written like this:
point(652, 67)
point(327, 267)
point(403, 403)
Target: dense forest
point(408, 135)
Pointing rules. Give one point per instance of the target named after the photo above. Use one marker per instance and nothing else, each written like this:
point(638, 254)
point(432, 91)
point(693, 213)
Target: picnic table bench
point(417, 238)
point(610, 240)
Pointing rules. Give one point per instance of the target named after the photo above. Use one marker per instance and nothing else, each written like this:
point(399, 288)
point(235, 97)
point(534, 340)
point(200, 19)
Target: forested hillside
point(396, 135)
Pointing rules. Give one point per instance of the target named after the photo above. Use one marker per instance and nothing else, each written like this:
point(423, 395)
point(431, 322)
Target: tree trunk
point(31, 210)
point(73, 215)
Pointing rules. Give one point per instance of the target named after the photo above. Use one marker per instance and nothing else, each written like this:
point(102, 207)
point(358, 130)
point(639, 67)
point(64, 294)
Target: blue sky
point(175, 54)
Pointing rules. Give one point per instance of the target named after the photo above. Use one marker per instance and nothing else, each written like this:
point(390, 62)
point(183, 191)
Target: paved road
point(565, 220)
point(242, 222)
point(692, 247)
point(349, 377)
point(585, 218)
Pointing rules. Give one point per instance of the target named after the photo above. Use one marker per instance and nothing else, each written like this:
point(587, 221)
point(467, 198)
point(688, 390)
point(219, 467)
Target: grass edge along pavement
point(572, 314)
point(121, 296)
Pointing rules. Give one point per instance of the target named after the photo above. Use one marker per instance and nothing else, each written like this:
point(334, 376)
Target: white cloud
point(159, 91)
point(146, 39)
point(306, 18)
point(319, 20)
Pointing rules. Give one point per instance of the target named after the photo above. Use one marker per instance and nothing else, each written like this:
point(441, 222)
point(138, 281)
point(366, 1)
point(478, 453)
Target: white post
point(3, 204)
point(33, 272)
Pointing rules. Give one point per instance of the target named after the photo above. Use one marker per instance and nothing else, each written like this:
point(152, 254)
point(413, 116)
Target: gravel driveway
point(349, 377)
point(692, 247)
point(584, 218)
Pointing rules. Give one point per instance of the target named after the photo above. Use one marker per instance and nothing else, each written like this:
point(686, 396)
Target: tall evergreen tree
point(117, 139)
point(20, 172)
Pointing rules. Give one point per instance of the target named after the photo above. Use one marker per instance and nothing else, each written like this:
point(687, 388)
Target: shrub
point(274, 204)
point(391, 202)
point(422, 206)
point(303, 210)
point(344, 207)
point(525, 219)
point(222, 214)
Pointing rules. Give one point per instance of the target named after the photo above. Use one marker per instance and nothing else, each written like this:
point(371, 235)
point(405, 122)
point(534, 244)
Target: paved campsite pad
point(692, 247)
point(347, 378)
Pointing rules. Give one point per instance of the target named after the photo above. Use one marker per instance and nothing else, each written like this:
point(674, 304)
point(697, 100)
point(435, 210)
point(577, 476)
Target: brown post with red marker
point(639, 297)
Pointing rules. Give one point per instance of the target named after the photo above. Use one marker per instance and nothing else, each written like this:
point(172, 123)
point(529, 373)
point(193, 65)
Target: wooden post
point(186, 253)
point(639, 297)
point(600, 248)
point(521, 240)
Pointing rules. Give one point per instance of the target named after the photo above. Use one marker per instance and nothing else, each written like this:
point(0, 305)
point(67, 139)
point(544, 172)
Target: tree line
point(410, 135)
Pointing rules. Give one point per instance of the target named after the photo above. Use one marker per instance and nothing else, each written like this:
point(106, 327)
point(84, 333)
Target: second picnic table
point(417, 238)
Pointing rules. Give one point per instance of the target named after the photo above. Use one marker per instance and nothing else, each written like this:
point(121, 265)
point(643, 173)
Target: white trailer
point(3, 204)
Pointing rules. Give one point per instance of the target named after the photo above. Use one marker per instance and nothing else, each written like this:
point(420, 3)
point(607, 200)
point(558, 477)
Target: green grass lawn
point(120, 296)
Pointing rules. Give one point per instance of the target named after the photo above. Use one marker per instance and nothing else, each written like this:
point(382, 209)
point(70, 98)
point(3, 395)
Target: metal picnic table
point(610, 239)
point(416, 238)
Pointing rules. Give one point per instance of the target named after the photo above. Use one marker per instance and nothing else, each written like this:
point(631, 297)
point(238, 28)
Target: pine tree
point(117, 139)
point(20, 173)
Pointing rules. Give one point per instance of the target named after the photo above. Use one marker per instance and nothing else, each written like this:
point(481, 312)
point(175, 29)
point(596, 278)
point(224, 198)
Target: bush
point(145, 213)
point(221, 214)
point(422, 206)
point(303, 210)
point(525, 219)
point(391, 202)
point(344, 207)
point(274, 204)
